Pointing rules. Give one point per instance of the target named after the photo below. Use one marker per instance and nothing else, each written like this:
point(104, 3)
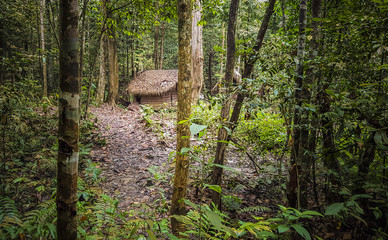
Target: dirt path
point(130, 149)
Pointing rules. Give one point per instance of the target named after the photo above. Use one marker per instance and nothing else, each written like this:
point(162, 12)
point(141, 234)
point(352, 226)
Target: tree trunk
point(184, 109)
point(52, 83)
point(225, 110)
point(216, 87)
point(82, 38)
point(296, 193)
point(197, 51)
point(102, 76)
point(251, 59)
point(210, 82)
point(44, 61)
point(283, 18)
point(69, 112)
point(156, 38)
point(113, 64)
point(161, 46)
point(240, 97)
point(100, 97)
point(113, 70)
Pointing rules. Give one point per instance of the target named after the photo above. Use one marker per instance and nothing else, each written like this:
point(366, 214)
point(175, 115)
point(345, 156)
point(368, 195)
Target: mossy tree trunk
point(184, 109)
point(69, 113)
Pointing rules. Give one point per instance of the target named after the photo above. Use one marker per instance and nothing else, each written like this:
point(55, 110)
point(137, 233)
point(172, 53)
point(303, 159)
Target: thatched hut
point(156, 88)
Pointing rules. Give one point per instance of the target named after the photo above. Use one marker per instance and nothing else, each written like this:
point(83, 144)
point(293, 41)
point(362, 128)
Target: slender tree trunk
point(156, 38)
point(197, 51)
point(113, 71)
point(216, 87)
point(82, 38)
point(225, 110)
point(161, 46)
point(251, 60)
point(210, 82)
point(113, 65)
point(2, 52)
point(296, 194)
point(220, 151)
point(133, 70)
point(51, 82)
point(102, 75)
point(283, 18)
point(42, 45)
point(69, 113)
point(184, 109)
point(100, 97)
point(127, 57)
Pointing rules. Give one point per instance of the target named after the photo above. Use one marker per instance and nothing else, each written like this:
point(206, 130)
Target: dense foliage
point(341, 116)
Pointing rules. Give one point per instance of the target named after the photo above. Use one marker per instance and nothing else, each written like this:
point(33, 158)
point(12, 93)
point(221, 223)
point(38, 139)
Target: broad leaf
point(196, 128)
point(302, 231)
point(334, 209)
point(283, 228)
point(216, 188)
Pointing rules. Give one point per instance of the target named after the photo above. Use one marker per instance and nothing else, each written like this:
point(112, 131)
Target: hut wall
point(167, 99)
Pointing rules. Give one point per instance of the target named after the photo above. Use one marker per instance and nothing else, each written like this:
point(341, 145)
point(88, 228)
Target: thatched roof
point(153, 82)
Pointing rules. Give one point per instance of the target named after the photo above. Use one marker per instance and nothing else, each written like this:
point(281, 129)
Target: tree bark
point(240, 97)
point(100, 97)
point(69, 113)
point(156, 38)
point(300, 130)
point(210, 82)
point(82, 38)
point(113, 64)
point(102, 75)
point(225, 110)
point(163, 27)
point(42, 43)
point(113, 71)
point(184, 109)
point(197, 51)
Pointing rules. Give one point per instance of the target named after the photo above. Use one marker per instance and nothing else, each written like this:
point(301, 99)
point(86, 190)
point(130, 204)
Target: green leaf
point(185, 150)
point(302, 231)
point(334, 209)
point(311, 213)
point(225, 167)
point(214, 218)
point(378, 138)
point(151, 235)
point(283, 228)
point(196, 128)
point(216, 188)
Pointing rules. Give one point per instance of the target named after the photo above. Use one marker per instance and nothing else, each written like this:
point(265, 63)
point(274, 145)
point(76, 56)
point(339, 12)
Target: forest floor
point(137, 169)
point(130, 151)
point(133, 152)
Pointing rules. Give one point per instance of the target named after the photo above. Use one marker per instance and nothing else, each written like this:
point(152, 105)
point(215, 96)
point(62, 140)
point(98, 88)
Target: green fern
point(255, 209)
point(40, 222)
point(10, 222)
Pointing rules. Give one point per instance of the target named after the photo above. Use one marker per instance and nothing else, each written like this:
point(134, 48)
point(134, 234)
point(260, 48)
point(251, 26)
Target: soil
point(130, 150)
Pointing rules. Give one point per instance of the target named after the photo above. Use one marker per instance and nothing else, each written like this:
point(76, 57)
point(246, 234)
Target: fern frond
point(255, 209)
point(9, 214)
point(43, 214)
